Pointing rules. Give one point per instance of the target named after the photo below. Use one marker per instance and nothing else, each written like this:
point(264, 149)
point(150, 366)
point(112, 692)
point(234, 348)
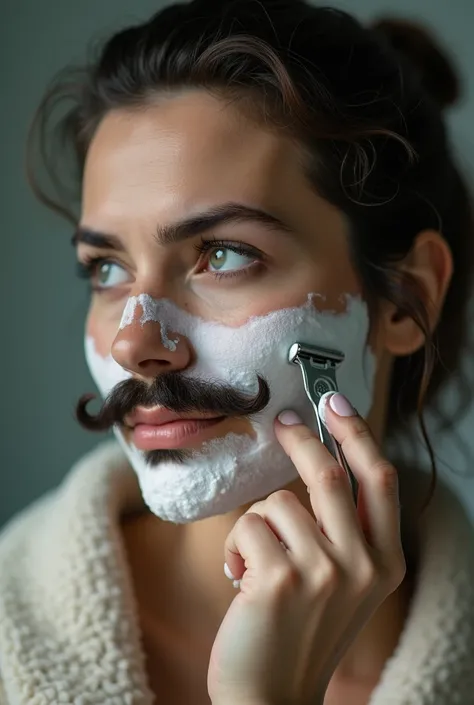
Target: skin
point(156, 166)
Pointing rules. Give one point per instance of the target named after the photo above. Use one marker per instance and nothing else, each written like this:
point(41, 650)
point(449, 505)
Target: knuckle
point(397, 571)
point(359, 431)
point(284, 578)
point(393, 572)
point(282, 498)
point(330, 477)
point(385, 476)
point(327, 577)
point(367, 576)
point(256, 507)
point(305, 435)
point(248, 521)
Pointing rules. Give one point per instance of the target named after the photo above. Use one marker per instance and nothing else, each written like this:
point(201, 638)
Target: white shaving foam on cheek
point(231, 471)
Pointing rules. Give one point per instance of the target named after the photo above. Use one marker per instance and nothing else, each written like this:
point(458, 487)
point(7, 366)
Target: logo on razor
point(318, 368)
point(322, 386)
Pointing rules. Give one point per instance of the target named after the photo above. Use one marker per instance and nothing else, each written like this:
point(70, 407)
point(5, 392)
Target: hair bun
point(438, 75)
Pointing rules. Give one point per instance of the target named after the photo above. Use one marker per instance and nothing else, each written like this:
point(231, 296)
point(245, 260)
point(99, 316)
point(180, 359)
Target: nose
point(147, 350)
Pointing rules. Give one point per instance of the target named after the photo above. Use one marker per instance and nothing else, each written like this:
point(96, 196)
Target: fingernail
point(322, 406)
point(227, 572)
point(341, 405)
point(289, 418)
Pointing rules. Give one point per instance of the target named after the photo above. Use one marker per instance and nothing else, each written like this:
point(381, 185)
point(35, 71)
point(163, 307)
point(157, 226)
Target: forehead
point(192, 148)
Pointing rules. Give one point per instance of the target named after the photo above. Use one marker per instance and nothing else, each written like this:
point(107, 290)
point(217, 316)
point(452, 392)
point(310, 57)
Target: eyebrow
point(92, 237)
point(188, 228)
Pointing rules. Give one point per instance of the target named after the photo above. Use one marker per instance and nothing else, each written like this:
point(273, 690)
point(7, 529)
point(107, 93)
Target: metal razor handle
point(319, 377)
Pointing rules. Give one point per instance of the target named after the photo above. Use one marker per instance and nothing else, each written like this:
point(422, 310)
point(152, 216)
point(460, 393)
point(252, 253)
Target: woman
point(253, 174)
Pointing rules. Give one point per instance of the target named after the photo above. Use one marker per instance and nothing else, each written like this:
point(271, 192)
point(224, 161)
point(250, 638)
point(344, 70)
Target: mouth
point(158, 429)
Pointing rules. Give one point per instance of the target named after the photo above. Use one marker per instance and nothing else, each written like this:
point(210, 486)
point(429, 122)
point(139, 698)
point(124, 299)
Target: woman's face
point(148, 171)
point(209, 216)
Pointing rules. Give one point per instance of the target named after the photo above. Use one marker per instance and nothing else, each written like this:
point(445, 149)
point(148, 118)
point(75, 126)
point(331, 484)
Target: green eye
point(104, 273)
point(109, 274)
point(225, 259)
point(218, 258)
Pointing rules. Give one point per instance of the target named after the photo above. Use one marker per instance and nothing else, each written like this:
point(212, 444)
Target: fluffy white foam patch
point(231, 471)
point(148, 307)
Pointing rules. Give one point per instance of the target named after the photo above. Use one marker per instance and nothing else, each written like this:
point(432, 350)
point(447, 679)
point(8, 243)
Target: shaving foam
point(233, 470)
point(149, 312)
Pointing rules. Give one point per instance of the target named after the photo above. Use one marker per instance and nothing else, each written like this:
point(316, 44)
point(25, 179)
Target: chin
point(225, 474)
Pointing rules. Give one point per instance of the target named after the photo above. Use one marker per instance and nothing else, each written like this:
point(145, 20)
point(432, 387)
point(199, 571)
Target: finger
point(375, 473)
point(292, 524)
point(252, 545)
point(329, 489)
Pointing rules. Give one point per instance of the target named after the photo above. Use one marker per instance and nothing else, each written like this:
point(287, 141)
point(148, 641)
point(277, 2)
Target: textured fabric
point(68, 621)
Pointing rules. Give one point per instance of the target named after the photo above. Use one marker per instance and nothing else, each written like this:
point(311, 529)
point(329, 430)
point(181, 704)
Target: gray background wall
point(42, 371)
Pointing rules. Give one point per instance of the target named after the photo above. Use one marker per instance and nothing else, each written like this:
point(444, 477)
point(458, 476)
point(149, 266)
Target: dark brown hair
point(365, 104)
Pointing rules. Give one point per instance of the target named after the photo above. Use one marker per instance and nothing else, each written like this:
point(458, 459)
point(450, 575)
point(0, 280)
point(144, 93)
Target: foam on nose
point(151, 310)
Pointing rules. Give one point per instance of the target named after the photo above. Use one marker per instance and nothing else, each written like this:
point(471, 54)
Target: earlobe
point(402, 335)
point(425, 277)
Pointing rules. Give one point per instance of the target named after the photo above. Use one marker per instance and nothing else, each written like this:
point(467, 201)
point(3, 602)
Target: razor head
point(318, 366)
point(317, 356)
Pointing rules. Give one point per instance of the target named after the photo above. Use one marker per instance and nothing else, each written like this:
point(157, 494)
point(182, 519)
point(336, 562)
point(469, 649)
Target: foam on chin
point(231, 471)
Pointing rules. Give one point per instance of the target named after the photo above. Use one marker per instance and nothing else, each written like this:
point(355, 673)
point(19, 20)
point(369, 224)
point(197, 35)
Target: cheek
point(102, 332)
point(330, 295)
point(332, 299)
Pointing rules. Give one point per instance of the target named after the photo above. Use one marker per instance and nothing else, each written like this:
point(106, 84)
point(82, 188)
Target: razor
point(318, 367)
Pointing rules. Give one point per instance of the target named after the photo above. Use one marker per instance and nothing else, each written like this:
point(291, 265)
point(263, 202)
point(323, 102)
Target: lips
point(155, 429)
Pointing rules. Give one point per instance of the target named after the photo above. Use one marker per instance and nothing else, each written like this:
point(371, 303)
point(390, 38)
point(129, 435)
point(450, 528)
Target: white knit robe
point(69, 631)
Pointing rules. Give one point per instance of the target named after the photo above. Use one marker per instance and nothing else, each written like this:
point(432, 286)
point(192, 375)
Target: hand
point(302, 604)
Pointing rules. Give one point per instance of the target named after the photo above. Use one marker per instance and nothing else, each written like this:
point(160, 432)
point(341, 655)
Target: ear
point(430, 265)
